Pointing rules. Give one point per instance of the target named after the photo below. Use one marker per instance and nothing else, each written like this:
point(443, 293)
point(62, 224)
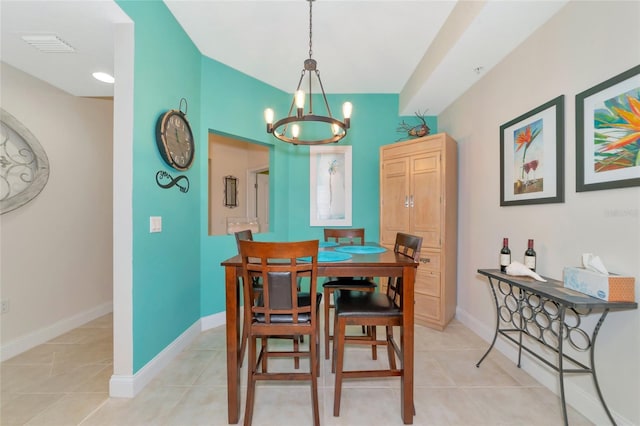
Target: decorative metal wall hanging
point(24, 166)
point(416, 131)
point(166, 181)
point(230, 191)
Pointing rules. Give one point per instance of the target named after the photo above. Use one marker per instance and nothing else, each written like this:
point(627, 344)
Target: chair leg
point(335, 346)
point(327, 306)
point(313, 365)
point(243, 343)
point(338, 350)
point(263, 342)
point(390, 351)
point(318, 349)
point(296, 348)
point(374, 347)
point(251, 382)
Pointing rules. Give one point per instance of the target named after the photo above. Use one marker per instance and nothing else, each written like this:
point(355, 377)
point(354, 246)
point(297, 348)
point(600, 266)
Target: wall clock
point(24, 166)
point(175, 138)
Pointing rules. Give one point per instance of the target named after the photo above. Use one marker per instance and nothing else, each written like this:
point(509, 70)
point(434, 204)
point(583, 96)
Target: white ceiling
point(429, 52)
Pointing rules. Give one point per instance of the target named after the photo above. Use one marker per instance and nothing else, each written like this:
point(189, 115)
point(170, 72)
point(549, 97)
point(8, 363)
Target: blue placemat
point(322, 244)
point(360, 249)
point(328, 256)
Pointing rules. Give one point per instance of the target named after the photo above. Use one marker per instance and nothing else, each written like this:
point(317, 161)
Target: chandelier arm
point(293, 101)
point(326, 103)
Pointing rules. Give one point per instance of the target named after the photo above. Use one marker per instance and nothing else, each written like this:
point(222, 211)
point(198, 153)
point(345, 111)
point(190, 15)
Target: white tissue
point(518, 269)
point(593, 263)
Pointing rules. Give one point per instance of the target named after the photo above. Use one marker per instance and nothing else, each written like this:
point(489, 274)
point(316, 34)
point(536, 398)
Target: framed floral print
point(608, 134)
point(330, 185)
point(532, 156)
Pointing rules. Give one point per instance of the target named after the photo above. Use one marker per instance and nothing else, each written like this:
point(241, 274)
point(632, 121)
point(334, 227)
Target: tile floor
point(65, 382)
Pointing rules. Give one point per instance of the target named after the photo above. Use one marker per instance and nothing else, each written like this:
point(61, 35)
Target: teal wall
point(233, 104)
point(166, 265)
point(177, 277)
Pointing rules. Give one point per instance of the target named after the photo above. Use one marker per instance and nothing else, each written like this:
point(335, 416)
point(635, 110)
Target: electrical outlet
point(4, 306)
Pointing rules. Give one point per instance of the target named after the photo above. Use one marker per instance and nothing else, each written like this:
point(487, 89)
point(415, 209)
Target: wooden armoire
point(418, 196)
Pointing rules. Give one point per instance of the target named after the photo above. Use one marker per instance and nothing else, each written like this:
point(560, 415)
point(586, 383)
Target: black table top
point(555, 290)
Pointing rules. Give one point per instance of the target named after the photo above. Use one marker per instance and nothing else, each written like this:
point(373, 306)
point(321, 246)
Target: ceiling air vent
point(48, 43)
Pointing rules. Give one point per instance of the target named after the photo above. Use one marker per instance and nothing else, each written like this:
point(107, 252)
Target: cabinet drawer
point(429, 261)
point(427, 307)
point(427, 283)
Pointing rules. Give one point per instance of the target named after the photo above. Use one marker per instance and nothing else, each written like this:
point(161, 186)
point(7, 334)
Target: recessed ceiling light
point(104, 77)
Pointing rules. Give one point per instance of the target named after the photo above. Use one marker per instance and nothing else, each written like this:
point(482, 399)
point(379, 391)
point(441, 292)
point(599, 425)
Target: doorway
point(258, 196)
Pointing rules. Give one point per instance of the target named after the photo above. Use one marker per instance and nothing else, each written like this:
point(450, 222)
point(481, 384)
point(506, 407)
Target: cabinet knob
point(425, 260)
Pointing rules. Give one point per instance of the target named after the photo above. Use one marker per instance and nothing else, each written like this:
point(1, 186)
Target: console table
point(549, 314)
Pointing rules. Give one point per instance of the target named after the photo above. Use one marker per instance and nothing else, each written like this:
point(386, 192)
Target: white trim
point(213, 321)
point(586, 404)
point(31, 340)
point(127, 386)
point(123, 200)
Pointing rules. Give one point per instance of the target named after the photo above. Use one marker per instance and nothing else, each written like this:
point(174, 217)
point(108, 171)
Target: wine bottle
point(505, 255)
point(530, 257)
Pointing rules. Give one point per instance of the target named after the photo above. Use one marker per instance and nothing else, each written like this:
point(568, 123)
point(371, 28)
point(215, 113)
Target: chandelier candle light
point(289, 128)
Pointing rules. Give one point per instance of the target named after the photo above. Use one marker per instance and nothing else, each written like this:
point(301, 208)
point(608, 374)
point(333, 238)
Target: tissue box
point(613, 288)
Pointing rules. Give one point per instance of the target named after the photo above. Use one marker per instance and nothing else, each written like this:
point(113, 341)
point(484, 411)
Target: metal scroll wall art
point(24, 166)
point(166, 181)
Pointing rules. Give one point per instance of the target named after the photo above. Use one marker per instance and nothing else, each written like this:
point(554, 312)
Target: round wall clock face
point(175, 139)
point(24, 166)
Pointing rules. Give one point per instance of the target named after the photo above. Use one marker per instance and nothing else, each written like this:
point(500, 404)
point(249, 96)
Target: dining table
point(378, 264)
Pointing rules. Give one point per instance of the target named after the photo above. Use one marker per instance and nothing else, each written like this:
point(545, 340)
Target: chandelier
point(310, 128)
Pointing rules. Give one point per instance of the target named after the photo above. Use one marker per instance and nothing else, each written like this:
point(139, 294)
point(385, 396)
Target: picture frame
point(606, 151)
point(532, 156)
point(230, 191)
point(330, 185)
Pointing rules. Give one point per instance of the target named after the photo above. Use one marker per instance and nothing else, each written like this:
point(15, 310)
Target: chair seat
point(364, 304)
point(349, 282)
point(304, 299)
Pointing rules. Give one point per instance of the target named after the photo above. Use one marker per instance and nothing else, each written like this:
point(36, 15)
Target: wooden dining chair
point(353, 236)
point(246, 235)
point(371, 309)
point(281, 310)
point(256, 282)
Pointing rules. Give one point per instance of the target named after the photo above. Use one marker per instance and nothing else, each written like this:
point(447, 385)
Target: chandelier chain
point(310, 28)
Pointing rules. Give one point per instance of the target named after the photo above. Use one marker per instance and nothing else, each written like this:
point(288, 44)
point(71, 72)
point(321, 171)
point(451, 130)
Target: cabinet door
point(394, 199)
point(427, 198)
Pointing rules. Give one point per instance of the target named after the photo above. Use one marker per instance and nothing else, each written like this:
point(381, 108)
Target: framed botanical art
point(330, 185)
point(532, 156)
point(608, 133)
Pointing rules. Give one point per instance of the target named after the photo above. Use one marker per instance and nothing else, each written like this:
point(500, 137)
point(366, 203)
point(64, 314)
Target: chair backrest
point(345, 235)
point(409, 246)
point(245, 235)
point(280, 265)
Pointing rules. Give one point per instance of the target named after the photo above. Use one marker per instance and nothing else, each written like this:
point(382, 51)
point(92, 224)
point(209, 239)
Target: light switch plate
point(155, 224)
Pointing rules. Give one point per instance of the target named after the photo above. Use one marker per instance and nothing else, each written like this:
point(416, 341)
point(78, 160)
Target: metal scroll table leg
point(593, 365)
point(562, 310)
point(495, 335)
point(521, 296)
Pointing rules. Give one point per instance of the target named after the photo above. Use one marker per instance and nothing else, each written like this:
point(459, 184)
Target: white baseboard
point(586, 404)
point(31, 340)
point(121, 386)
point(215, 320)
